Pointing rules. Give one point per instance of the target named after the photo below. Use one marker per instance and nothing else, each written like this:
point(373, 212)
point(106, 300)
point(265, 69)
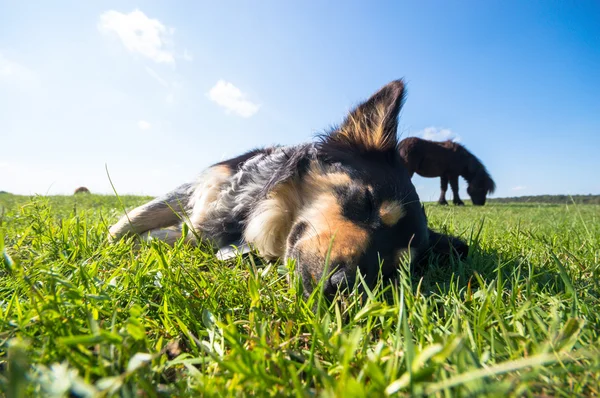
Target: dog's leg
point(454, 185)
point(444, 187)
point(205, 199)
point(446, 244)
point(164, 211)
point(169, 235)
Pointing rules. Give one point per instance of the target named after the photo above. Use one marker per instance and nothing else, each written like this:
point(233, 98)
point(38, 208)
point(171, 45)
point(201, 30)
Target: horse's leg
point(444, 187)
point(454, 186)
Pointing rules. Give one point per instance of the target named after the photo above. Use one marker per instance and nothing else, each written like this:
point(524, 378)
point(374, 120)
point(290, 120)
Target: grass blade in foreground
point(126, 319)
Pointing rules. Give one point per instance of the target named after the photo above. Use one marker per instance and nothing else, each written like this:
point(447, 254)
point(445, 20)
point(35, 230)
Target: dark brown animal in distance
point(81, 190)
point(448, 160)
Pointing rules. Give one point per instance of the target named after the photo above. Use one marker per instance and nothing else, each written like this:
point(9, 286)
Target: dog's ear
point(446, 245)
point(372, 125)
point(292, 163)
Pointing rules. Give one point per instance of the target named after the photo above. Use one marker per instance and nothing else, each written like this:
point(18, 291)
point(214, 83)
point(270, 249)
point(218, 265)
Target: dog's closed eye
point(357, 203)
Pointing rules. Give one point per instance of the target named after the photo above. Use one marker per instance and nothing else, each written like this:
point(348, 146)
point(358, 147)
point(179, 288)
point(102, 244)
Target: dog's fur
point(346, 200)
point(448, 160)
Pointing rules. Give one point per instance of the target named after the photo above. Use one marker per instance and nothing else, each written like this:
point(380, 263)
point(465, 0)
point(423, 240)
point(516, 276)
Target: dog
point(344, 203)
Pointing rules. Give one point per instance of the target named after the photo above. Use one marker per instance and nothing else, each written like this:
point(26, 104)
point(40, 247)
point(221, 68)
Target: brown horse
point(448, 160)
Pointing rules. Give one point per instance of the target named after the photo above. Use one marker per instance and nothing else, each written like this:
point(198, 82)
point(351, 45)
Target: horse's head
point(480, 186)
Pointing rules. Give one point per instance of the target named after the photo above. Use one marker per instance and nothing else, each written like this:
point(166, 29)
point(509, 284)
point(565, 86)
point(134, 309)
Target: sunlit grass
point(519, 316)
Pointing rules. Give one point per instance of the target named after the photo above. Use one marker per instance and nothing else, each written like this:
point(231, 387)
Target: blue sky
point(159, 90)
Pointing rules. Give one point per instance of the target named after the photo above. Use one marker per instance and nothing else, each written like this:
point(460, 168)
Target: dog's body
point(228, 203)
point(346, 200)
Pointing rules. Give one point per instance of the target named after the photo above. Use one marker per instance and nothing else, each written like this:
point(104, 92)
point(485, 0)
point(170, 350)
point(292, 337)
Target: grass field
point(519, 317)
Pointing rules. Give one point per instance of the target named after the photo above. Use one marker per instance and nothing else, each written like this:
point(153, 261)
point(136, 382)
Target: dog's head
point(352, 204)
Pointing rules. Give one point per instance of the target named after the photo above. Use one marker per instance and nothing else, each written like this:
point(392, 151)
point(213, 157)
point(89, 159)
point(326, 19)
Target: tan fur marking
point(390, 212)
point(270, 223)
point(326, 222)
point(318, 181)
point(368, 129)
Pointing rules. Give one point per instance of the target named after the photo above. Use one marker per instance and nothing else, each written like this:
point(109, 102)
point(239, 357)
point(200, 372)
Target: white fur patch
point(271, 221)
point(206, 191)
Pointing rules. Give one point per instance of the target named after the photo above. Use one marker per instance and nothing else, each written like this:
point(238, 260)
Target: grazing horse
point(447, 160)
point(345, 201)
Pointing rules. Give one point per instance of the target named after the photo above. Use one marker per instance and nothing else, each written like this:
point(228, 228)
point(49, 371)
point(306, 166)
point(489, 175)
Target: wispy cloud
point(13, 72)
point(8, 68)
point(232, 99)
point(139, 34)
point(157, 77)
point(188, 55)
point(144, 125)
point(438, 134)
point(519, 188)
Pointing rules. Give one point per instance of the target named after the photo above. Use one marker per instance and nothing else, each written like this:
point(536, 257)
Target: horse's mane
point(477, 172)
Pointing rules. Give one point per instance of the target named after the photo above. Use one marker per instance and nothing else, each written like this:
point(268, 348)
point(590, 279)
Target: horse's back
point(429, 158)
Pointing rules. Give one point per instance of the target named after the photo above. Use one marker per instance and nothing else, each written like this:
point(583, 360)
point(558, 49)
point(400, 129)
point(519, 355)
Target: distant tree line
point(555, 199)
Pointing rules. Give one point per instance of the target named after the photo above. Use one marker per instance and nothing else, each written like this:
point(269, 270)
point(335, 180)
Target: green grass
point(519, 317)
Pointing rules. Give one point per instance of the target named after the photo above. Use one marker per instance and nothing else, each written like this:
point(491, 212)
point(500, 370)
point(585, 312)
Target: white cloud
point(188, 55)
point(170, 98)
point(438, 134)
point(144, 125)
point(232, 99)
point(139, 34)
point(519, 188)
point(11, 71)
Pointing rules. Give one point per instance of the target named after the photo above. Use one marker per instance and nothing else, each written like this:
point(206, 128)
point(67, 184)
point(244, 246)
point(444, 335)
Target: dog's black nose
point(342, 279)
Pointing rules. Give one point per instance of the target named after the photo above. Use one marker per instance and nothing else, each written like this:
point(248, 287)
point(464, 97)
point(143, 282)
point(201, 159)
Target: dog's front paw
point(460, 248)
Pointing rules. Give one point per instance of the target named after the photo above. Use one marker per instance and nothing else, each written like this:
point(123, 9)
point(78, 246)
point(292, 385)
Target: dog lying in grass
point(343, 203)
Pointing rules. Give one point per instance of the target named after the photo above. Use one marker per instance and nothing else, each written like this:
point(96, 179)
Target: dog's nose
point(343, 278)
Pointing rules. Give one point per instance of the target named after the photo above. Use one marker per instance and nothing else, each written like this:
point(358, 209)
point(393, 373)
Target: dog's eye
point(357, 203)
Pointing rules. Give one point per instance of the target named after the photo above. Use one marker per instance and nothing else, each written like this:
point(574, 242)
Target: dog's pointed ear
point(291, 164)
point(446, 244)
point(372, 125)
